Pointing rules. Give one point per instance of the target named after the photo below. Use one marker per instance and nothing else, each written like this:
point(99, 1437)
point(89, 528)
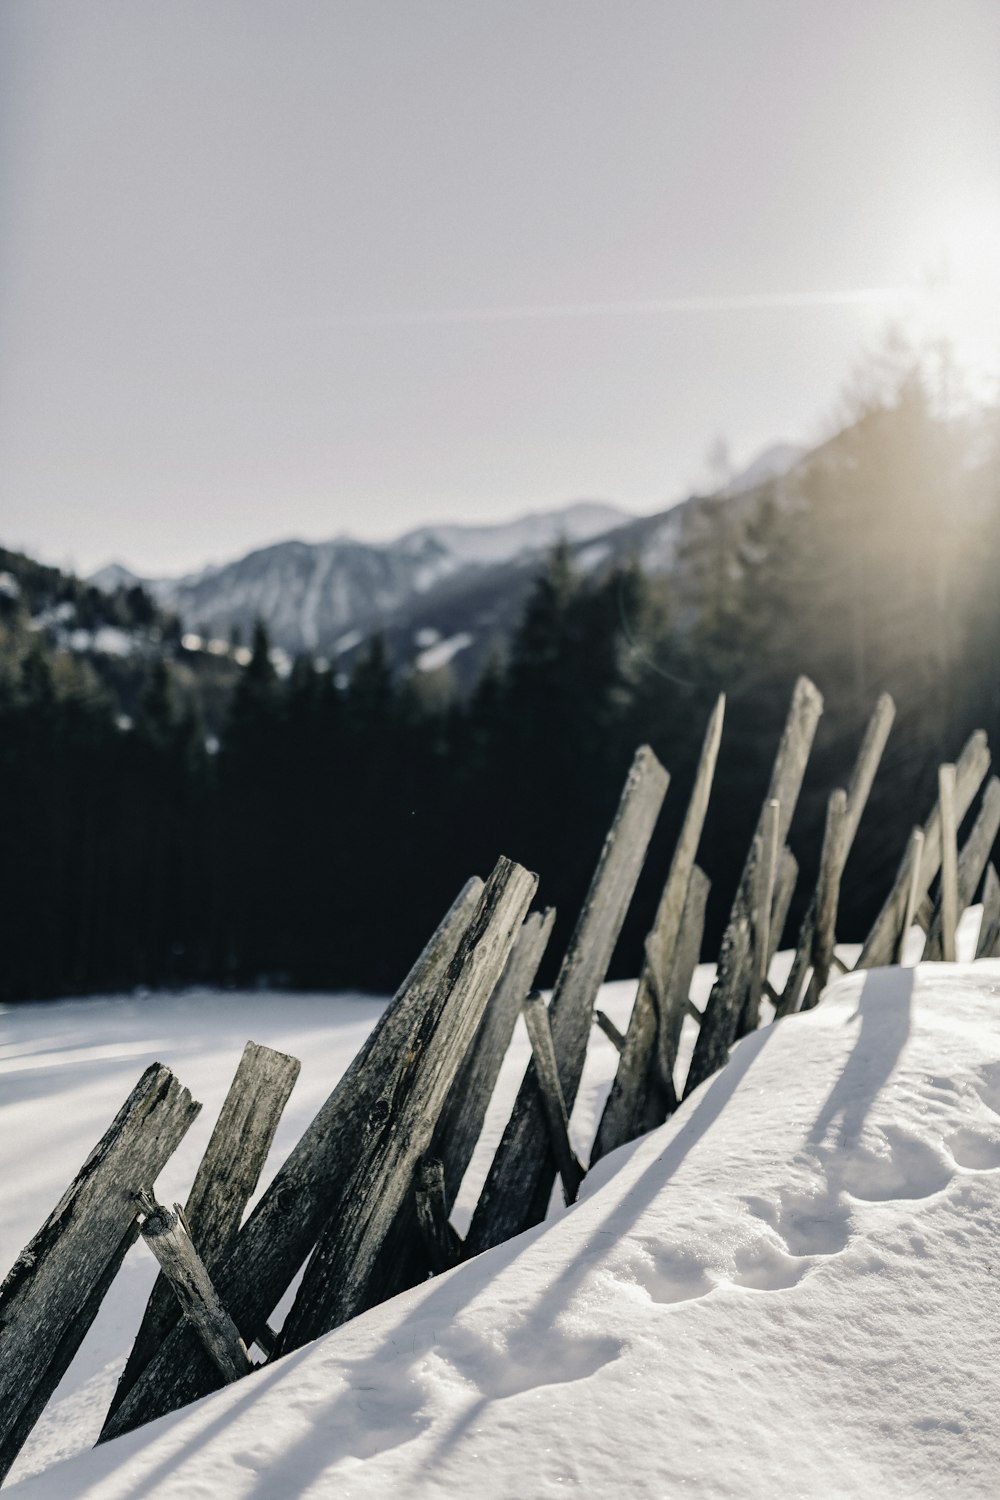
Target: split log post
point(989, 927)
point(949, 861)
point(443, 1246)
point(831, 870)
point(397, 1129)
point(910, 876)
point(765, 872)
point(625, 1104)
point(405, 1259)
point(604, 1023)
point(186, 1275)
point(972, 861)
point(519, 1183)
point(226, 1178)
point(268, 1251)
point(540, 1035)
point(858, 791)
point(970, 773)
point(52, 1293)
point(784, 890)
point(725, 1004)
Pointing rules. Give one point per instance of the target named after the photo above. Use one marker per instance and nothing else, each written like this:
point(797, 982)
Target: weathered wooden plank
point(280, 1231)
point(971, 863)
point(391, 1138)
point(910, 872)
point(858, 791)
point(833, 857)
point(224, 1183)
point(784, 890)
point(949, 861)
point(443, 1246)
point(543, 1053)
point(970, 773)
point(620, 1120)
point(659, 1097)
point(726, 1001)
point(403, 1260)
point(519, 1183)
point(604, 1023)
point(53, 1291)
point(989, 927)
point(762, 897)
point(187, 1277)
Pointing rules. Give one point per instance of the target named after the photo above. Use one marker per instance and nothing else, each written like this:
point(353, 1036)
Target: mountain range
point(441, 595)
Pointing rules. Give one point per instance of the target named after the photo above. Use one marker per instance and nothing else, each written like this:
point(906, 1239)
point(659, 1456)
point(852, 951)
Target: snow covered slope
point(792, 1285)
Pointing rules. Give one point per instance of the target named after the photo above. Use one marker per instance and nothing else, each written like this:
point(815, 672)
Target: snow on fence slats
point(970, 773)
point(53, 1291)
point(390, 1135)
point(637, 1065)
point(282, 1229)
point(403, 1260)
point(520, 1180)
point(224, 1183)
point(725, 1004)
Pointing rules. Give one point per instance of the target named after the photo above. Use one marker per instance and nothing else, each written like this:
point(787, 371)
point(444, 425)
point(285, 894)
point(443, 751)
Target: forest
point(317, 839)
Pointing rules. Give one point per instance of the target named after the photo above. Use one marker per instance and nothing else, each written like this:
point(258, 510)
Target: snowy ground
point(792, 1284)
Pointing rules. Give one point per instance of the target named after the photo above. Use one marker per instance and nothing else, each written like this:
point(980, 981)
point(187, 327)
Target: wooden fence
point(364, 1198)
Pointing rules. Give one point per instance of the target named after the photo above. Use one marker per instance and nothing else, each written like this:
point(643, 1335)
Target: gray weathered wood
point(762, 897)
point(833, 857)
point(444, 1248)
point(224, 1183)
point(397, 1131)
point(949, 861)
point(52, 1293)
point(282, 1228)
point(605, 1024)
point(404, 1260)
point(911, 872)
point(784, 890)
point(519, 1183)
point(540, 1035)
point(858, 791)
point(971, 863)
point(186, 1275)
point(620, 1120)
point(726, 1001)
point(989, 927)
point(970, 773)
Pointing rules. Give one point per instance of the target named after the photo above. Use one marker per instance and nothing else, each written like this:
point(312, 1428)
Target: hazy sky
point(297, 267)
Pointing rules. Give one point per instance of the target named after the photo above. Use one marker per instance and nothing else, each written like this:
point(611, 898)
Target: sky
point(308, 267)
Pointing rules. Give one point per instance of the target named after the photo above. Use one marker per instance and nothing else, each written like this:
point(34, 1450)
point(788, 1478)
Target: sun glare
point(958, 297)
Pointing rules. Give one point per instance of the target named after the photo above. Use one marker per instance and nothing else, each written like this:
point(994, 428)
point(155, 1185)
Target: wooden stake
point(989, 927)
point(444, 1247)
point(725, 1004)
point(614, 1036)
point(166, 1235)
point(52, 1292)
point(831, 869)
point(910, 876)
point(971, 863)
point(949, 861)
point(519, 1184)
point(540, 1034)
point(227, 1176)
point(763, 894)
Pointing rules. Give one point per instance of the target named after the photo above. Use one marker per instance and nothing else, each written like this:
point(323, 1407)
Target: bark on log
point(519, 1183)
point(970, 772)
point(725, 1004)
point(224, 1183)
point(282, 1228)
point(55, 1287)
point(396, 1130)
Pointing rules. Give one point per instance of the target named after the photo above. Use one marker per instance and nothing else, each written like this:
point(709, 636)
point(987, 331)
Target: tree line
point(318, 842)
